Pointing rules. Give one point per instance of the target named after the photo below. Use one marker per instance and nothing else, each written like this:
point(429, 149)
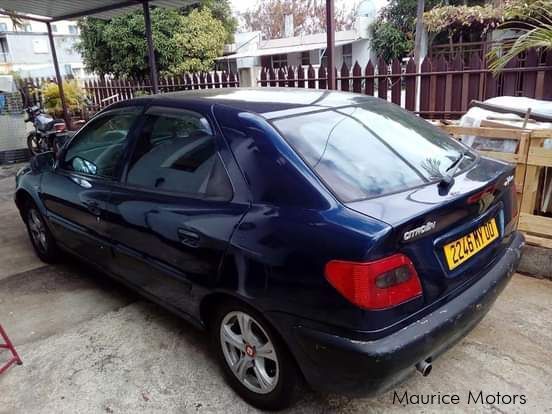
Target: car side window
point(176, 152)
point(98, 148)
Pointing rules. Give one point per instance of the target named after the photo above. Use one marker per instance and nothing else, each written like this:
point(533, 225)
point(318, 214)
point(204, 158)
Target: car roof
point(270, 102)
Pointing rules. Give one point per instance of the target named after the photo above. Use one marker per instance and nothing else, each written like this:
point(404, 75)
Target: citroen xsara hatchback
point(325, 237)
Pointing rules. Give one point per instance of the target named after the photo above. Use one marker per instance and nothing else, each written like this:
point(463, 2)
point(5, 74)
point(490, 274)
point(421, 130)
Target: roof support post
point(151, 50)
point(330, 39)
point(59, 79)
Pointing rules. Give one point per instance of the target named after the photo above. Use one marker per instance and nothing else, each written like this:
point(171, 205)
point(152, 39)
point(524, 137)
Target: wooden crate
point(519, 157)
point(530, 157)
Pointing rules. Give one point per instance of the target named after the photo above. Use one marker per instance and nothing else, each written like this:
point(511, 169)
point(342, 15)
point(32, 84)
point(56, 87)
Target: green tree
point(221, 11)
point(400, 15)
point(182, 43)
point(389, 42)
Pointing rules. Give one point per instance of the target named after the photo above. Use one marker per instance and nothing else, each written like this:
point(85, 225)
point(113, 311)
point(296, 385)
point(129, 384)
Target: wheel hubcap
point(249, 352)
point(38, 232)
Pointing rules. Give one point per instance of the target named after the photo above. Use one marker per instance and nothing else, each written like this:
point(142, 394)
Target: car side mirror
point(43, 162)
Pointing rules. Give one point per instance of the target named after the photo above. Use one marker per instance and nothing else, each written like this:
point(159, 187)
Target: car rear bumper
point(339, 364)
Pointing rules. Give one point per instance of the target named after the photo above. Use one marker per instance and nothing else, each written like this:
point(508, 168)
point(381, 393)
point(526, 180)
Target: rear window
point(371, 149)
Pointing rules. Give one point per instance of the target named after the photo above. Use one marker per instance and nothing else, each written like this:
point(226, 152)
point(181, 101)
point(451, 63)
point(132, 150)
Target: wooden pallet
point(530, 158)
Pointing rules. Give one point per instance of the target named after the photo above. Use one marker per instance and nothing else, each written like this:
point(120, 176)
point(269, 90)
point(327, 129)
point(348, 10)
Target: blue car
point(320, 237)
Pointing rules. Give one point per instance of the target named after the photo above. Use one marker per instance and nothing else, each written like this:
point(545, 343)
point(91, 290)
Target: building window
point(54, 28)
point(305, 58)
point(3, 27)
point(279, 61)
point(73, 29)
point(348, 55)
point(27, 27)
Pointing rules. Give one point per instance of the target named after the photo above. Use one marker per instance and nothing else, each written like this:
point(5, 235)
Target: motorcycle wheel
point(33, 143)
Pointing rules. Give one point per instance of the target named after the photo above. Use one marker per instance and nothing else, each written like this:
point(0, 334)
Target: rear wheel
point(256, 363)
point(42, 240)
point(34, 143)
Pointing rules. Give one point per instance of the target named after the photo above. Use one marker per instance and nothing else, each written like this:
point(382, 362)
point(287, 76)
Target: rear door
point(175, 209)
point(76, 193)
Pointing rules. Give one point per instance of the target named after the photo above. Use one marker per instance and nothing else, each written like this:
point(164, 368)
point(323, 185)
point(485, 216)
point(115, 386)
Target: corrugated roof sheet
point(54, 9)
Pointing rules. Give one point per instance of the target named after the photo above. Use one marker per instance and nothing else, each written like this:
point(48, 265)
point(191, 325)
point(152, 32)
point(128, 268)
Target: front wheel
point(42, 240)
point(256, 363)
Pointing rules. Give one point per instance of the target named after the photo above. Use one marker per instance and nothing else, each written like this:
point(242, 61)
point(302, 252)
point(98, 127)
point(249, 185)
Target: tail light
point(374, 285)
point(59, 126)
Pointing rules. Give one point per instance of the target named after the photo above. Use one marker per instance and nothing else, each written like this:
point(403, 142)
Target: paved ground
point(91, 346)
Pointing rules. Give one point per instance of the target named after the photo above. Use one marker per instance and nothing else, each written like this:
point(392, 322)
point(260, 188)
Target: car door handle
point(81, 181)
point(93, 207)
point(188, 237)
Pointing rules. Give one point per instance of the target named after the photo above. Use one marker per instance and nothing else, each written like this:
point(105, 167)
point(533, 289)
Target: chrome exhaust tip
point(424, 367)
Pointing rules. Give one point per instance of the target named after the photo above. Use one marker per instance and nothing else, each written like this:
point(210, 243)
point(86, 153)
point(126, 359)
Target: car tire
point(42, 240)
point(257, 365)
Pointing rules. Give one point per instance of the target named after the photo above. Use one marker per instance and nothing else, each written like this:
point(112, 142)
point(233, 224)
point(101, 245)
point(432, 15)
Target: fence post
point(529, 81)
point(396, 82)
point(382, 81)
point(547, 93)
point(456, 87)
point(281, 77)
point(300, 77)
point(290, 77)
point(425, 87)
point(357, 73)
point(322, 77)
point(272, 77)
point(344, 78)
point(369, 79)
point(440, 90)
point(311, 76)
point(509, 79)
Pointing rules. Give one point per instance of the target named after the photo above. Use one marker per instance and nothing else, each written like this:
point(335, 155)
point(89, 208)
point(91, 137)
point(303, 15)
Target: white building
point(250, 53)
point(26, 49)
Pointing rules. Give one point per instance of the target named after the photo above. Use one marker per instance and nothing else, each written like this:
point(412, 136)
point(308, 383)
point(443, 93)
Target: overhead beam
point(59, 79)
point(23, 16)
point(330, 40)
point(102, 9)
point(151, 49)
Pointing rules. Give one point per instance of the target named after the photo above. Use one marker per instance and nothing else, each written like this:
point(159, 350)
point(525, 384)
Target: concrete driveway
point(91, 346)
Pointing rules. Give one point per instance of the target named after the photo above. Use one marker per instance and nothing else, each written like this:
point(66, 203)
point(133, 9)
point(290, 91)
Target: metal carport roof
point(52, 10)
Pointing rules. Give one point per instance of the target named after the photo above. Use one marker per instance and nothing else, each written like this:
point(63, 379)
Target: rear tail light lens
point(373, 285)
point(59, 126)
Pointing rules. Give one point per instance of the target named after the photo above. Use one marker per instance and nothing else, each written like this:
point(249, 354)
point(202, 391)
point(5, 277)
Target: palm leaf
point(538, 36)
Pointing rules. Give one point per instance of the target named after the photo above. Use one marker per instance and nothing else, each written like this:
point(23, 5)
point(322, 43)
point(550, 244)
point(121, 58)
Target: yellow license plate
point(458, 251)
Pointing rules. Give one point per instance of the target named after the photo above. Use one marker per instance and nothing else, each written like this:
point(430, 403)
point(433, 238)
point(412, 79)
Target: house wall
point(30, 54)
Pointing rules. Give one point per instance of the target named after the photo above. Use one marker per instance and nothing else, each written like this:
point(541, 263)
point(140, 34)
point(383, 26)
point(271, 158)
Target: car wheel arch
point(210, 302)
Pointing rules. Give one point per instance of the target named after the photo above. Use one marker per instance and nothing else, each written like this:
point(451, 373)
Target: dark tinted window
point(176, 152)
point(99, 147)
point(371, 149)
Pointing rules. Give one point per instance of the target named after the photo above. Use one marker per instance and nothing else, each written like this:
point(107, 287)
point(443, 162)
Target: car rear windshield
point(371, 149)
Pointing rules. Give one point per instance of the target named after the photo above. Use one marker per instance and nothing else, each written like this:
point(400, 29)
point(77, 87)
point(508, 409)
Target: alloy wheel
point(38, 231)
point(249, 352)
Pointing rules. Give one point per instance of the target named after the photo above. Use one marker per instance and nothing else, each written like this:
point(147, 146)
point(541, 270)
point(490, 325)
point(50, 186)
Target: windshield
point(371, 149)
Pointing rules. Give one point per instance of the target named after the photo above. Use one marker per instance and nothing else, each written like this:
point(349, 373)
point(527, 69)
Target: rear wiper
point(448, 178)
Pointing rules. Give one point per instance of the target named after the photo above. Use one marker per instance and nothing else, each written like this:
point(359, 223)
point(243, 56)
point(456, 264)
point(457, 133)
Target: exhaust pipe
point(424, 367)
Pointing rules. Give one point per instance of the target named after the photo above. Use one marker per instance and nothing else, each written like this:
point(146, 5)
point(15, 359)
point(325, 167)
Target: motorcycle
point(49, 134)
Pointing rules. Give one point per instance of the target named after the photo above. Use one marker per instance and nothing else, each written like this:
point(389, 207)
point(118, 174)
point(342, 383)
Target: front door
point(77, 191)
point(175, 211)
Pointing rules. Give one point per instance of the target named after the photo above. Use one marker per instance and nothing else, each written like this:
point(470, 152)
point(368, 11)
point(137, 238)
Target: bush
point(74, 97)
